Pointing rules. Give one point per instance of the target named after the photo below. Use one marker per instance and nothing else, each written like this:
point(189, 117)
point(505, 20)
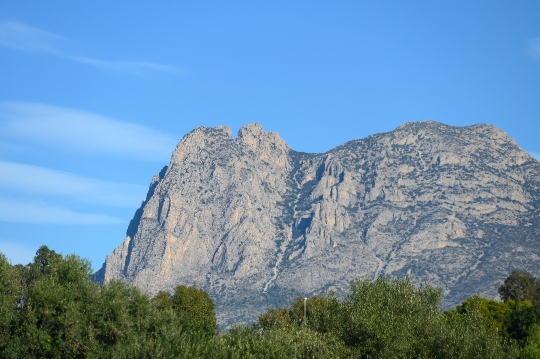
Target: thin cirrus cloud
point(140, 68)
point(19, 36)
point(22, 37)
point(35, 180)
point(31, 212)
point(82, 131)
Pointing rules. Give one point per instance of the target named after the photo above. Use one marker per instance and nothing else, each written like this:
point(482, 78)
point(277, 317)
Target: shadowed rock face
point(256, 223)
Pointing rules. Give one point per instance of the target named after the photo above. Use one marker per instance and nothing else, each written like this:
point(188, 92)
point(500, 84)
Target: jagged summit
point(256, 223)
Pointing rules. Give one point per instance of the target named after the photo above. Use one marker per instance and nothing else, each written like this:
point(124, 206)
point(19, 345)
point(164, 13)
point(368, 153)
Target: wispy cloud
point(17, 253)
point(36, 180)
point(18, 211)
point(22, 37)
point(82, 131)
point(534, 48)
point(140, 68)
point(26, 38)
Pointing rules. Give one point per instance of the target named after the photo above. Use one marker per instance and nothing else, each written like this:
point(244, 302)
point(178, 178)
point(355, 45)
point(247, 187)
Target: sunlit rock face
point(256, 223)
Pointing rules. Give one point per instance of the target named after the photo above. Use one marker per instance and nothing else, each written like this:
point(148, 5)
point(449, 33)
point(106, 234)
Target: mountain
point(256, 223)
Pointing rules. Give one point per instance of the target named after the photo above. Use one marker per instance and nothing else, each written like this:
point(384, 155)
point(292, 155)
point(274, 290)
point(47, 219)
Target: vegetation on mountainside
point(50, 308)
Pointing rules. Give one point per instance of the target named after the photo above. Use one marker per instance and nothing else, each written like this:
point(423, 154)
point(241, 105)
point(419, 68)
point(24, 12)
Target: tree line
point(51, 308)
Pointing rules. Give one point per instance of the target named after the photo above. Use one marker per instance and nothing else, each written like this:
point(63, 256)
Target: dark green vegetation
point(50, 308)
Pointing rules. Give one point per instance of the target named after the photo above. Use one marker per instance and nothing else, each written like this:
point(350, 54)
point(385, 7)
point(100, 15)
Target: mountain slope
point(256, 223)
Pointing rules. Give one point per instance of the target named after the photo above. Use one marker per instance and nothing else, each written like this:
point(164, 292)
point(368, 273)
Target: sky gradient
point(94, 96)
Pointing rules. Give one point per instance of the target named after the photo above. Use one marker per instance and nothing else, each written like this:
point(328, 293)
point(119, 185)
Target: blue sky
point(95, 95)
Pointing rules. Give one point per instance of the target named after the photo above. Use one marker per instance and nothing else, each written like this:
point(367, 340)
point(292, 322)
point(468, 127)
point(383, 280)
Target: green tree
point(195, 308)
point(10, 300)
point(123, 310)
point(522, 320)
point(50, 308)
point(497, 312)
point(162, 300)
point(56, 306)
point(471, 335)
point(522, 284)
point(532, 344)
point(291, 341)
point(274, 318)
point(318, 311)
point(391, 318)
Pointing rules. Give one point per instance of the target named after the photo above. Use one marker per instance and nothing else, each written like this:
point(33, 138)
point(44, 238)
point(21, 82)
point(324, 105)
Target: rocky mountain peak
point(268, 146)
point(253, 129)
point(256, 223)
point(196, 142)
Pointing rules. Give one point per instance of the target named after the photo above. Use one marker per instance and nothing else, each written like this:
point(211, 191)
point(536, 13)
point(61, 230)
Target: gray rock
point(256, 223)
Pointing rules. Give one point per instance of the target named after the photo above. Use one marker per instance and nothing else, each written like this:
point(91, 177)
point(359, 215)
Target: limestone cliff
point(256, 223)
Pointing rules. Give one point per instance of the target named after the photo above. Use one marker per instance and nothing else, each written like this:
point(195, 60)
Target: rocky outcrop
point(256, 223)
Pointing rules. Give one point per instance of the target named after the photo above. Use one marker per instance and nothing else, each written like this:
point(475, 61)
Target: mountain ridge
point(254, 222)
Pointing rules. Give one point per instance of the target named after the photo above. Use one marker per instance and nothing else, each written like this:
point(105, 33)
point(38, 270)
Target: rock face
point(256, 223)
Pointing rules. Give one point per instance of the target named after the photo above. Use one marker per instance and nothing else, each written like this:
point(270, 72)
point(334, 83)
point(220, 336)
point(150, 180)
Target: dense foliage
point(520, 285)
point(50, 308)
point(390, 318)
